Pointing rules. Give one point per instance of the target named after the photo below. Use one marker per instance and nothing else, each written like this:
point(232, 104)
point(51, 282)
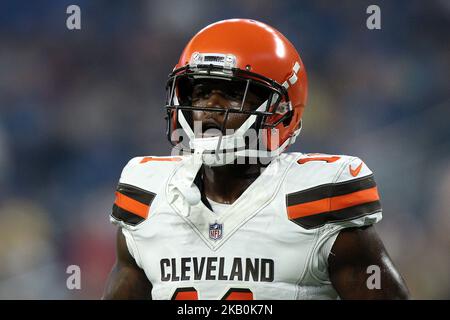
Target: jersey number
point(232, 294)
point(326, 159)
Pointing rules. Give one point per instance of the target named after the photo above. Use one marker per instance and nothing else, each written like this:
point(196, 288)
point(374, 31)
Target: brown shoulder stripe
point(342, 201)
point(318, 220)
point(330, 190)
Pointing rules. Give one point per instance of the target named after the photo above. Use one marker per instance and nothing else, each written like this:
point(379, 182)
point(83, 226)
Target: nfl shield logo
point(215, 231)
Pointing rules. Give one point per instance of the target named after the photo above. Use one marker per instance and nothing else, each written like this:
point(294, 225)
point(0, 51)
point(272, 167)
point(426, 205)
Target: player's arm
point(126, 280)
point(354, 250)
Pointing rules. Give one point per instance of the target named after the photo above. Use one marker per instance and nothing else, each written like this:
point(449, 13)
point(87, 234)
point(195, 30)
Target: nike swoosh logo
point(355, 172)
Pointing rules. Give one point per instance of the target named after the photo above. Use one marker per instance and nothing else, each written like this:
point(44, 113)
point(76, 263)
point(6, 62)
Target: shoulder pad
point(149, 173)
point(337, 188)
point(140, 181)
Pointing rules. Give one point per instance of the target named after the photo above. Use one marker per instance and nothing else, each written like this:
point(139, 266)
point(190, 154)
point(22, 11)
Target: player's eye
point(237, 94)
point(201, 92)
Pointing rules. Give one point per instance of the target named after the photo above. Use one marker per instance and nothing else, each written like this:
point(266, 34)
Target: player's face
point(225, 95)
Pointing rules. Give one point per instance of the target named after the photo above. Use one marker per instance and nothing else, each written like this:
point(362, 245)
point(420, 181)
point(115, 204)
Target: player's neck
point(225, 184)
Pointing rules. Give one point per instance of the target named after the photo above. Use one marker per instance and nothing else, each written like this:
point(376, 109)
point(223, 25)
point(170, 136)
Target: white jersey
point(271, 243)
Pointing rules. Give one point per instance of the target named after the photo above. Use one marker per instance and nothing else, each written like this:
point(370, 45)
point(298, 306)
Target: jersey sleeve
point(132, 203)
point(354, 202)
point(355, 199)
point(141, 180)
point(349, 199)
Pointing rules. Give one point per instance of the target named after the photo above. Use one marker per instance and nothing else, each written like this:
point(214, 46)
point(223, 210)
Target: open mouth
point(211, 129)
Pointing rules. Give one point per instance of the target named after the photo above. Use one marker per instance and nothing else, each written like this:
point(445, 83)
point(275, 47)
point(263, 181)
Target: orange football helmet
point(255, 54)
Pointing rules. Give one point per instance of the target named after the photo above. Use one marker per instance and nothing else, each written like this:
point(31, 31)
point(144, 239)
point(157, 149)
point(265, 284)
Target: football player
point(233, 216)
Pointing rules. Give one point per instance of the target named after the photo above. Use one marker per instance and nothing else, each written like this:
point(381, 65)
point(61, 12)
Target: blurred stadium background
point(75, 106)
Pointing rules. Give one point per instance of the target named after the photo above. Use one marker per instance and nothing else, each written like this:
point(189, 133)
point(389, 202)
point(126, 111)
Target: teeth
point(211, 126)
point(209, 132)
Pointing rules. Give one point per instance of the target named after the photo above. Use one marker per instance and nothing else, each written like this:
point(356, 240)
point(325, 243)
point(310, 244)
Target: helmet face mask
point(245, 95)
point(249, 101)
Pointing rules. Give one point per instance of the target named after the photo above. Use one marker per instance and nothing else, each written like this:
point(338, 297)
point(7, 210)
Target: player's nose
point(217, 100)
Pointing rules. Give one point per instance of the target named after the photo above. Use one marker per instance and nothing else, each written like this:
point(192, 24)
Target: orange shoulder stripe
point(354, 199)
point(333, 203)
point(132, 205)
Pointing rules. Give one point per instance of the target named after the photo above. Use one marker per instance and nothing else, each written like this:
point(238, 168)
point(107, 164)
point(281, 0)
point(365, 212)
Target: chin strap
point(182, 187)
